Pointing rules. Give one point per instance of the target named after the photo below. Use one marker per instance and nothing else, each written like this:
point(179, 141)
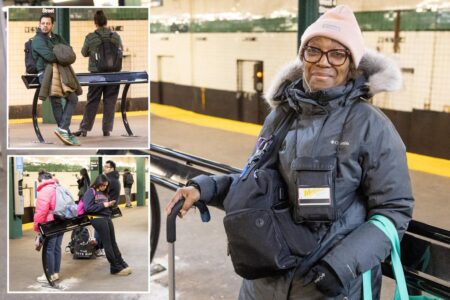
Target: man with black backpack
point(128, 181)
point(104, 49)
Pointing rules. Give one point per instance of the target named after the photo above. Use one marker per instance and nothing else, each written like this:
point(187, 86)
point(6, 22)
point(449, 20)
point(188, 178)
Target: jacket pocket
point(256, 244)
point(299, 238)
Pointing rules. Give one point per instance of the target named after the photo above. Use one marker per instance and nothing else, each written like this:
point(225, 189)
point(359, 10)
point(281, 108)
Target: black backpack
point(129, 179)
point(30, 62)
point(80, 244)
point(109, 55)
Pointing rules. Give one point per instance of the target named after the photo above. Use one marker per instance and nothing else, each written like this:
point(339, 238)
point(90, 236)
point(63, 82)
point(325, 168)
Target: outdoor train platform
point(85, 274)
point(201, 250)
point(21, 133)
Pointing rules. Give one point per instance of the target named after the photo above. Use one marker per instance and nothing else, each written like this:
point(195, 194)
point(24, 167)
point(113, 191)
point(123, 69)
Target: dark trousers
point(63, 115)
point(105, 228)
point(54, 253)
point(98, 239)
point(94, 96)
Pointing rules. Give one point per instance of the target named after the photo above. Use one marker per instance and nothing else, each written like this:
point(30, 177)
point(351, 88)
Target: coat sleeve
point(114, 191)
point(43, 208)
point(85, 50)
point(40, 47)
point(40, 214)
point(89, 203)
point(386, 185)
point(118, 40)
point(214, 189)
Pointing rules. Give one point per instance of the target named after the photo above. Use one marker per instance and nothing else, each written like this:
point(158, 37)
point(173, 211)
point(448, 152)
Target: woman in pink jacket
point(45, 204)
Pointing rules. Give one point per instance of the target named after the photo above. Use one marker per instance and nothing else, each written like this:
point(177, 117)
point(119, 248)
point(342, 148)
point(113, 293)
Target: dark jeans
point(63, 116)
point(94, 96)
point(54, 254)
point(105, 228)
point(98, 239)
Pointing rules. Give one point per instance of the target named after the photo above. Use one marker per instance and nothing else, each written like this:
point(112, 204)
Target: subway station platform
point(89, 275)
point(21, 133)
point(203, 269)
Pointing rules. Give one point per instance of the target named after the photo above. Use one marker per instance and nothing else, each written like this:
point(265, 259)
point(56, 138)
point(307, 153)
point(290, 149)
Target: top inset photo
point(77, 77)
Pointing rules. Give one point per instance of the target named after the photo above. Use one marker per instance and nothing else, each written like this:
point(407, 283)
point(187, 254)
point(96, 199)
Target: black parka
point(373, 175)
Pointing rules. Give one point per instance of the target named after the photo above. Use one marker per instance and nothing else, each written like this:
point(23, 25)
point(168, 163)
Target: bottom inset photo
point(78, 224)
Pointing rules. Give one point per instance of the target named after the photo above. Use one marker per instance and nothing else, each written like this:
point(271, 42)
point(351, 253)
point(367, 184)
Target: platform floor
point(203, 269)
point(22, 135)
point(91, 275)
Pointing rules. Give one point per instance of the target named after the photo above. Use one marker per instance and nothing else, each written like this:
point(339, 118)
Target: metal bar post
point(34, 116)
point(172, 271)
point(123, 108)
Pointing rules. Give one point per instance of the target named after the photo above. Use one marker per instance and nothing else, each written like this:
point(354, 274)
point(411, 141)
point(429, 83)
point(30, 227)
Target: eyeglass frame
point(347, 54)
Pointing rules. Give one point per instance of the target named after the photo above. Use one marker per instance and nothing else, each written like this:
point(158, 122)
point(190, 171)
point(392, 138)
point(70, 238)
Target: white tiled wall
point(134, 38)
point(374, 5)
point(213, 59)
point(213, 56)
point(179, 7)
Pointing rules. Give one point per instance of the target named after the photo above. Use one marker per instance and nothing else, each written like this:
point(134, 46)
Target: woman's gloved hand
point(326, 280)
point(190, 194)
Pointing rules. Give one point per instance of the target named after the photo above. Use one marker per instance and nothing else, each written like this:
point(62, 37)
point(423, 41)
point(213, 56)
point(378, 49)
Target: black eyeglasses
point(335, 57)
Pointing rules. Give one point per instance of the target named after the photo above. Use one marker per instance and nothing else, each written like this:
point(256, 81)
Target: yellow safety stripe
point(416, 162)
point(139, 113)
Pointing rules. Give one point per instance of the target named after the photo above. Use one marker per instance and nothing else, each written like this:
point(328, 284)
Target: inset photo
point(78, 77)
point(78, 224)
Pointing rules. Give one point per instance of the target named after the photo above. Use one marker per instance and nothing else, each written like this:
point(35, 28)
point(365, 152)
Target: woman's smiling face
point(321, 74)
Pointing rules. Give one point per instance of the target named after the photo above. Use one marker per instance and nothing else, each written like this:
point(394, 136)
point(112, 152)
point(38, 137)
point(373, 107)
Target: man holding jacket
point(42, 46)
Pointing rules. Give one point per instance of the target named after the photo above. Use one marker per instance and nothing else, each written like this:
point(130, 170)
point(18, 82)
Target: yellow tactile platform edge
point(79, 117)
point(416, 162)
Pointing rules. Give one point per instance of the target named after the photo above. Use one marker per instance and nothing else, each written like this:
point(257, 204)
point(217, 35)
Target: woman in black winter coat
point(98, 207)
point(342, 161)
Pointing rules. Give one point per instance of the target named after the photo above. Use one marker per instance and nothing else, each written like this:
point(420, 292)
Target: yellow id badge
point(314, 196)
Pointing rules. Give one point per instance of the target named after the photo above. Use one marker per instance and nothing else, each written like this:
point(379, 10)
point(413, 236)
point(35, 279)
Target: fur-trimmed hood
point(382, 73)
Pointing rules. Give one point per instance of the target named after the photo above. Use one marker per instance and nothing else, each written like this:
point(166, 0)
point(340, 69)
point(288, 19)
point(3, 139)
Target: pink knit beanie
point(340, 25)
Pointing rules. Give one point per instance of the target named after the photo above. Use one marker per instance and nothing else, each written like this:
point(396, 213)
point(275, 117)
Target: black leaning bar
point(429, 231)
point(191, 159)
point(155, 218)
point(420, 281)
point(90, 79)
point(123, 108)
point(44, 262)
point(164, 182)
point(34, 116)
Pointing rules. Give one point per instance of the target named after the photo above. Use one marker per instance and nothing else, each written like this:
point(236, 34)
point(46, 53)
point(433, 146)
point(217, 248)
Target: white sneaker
point(124, 272)
point(42, 279)
point(55, 277)
point(99, 252)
